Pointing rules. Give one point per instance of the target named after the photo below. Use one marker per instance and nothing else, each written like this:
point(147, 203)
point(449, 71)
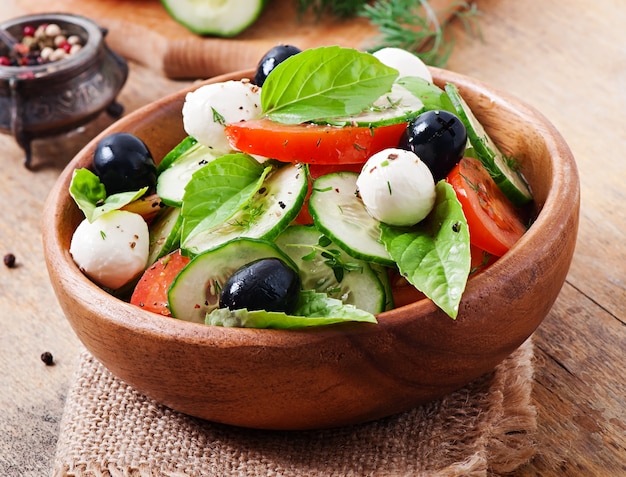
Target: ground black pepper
point(47, 358)
point(9, 260)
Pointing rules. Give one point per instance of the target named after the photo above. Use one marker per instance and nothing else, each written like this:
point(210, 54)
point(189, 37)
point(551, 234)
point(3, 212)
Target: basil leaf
point(90, 195)
point(433, 97)
point(312, 309)
point(218, 190)
point(324, 82)
point(434, 255)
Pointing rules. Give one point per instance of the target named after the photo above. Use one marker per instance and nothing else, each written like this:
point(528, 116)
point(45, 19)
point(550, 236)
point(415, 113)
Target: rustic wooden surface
point(142, 31)
point(566, 59)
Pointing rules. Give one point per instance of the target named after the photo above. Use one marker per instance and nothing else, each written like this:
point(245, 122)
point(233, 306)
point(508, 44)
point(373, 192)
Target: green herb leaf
point(434, 255)
point(433, 97)
point(218, 190)
point(312, 309)
point(324, 82)
point(414, 25)
point(90, 195)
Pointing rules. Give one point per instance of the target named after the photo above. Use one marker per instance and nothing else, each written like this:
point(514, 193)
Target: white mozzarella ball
point(405, 62)
point(396, 187)
point(208, 109)
point(113, 249)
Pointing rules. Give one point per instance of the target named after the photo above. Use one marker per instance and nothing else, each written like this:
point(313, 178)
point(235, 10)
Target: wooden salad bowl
point(342, 374)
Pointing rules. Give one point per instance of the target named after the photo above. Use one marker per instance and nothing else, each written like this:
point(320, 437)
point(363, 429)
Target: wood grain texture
point(142, 31)
point(565, 58)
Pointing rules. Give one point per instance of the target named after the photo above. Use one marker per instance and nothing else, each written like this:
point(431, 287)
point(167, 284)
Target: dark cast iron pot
point(57, 97)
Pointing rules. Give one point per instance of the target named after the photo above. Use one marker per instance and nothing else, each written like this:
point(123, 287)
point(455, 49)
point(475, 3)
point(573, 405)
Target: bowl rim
point(564, 186)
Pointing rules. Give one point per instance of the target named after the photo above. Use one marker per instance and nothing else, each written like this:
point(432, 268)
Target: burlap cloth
point(486, 428)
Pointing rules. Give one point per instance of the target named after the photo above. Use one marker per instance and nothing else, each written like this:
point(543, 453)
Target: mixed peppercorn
point(41, 44)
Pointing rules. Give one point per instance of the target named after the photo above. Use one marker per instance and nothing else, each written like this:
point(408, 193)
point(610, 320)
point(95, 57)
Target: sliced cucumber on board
point(268, 213)
point(341, 216)
point(359, 286)
point(172, 180)
point(224, 18)
point(195, 291)
point(502, 170)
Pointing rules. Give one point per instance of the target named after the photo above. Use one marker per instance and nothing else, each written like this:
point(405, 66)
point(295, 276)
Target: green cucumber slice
point(172, 180)
point(195, 291)
point(503, 171)
point(175, 153)
point(165, 234)
point(359, 285)
point(341, 216)
point(224, 18)
point(268, 213)
point(397, 106)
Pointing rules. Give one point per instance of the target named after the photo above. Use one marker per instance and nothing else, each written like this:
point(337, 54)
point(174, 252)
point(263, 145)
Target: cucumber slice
point(175, 153)
point(195, 291)
point(165, 234)
point(397, 106)
point(503, 171)
point(268, 213)
point(224, 18)
point(359, 286)
point(341, 216)
point(172, 181)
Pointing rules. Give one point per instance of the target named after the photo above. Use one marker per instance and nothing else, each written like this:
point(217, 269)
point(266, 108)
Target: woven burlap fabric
point(484, 429)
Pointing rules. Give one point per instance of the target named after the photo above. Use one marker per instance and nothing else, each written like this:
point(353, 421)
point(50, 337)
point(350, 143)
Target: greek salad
point(333, 186)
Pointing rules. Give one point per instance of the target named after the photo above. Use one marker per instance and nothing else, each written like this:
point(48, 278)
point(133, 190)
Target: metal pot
point(52, 98)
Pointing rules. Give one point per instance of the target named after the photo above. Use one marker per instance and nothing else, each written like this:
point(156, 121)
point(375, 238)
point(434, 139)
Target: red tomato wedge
point(151, 290)
point(481, 260)
point(494, 223)
point(311, 143)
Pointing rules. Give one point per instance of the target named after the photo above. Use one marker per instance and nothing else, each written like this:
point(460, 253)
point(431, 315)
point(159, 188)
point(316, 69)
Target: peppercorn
point(47, 358)
point(9, 260)
point(44, 44)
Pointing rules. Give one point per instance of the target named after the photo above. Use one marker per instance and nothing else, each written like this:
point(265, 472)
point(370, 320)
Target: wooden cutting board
point(142, 31)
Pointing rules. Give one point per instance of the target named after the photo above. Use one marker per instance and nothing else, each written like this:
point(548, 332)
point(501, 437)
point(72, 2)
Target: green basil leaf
point(433, 97)
point(434, 255)
point(324, 82)
point(90, 195)
point(218, 190)
point(312, 309)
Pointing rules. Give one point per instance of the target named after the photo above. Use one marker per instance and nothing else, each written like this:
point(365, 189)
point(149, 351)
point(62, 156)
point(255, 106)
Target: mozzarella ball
point(405, 62)
point(208, 109)
point(396, 187)
point(113, 249)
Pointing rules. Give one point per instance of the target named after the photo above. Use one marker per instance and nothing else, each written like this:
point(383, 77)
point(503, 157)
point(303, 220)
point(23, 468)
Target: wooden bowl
point(336, 375)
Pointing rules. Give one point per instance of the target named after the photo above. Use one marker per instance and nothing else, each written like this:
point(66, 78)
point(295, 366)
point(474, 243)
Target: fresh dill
point(412, 25)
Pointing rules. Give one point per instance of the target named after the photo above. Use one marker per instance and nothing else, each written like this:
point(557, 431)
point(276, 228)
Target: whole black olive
point(273, 57)
point(267, 284)
point(438, 138)
point(124, 163)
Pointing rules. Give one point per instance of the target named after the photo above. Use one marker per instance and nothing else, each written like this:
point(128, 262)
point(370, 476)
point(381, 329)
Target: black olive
point(273, 57)
point(267, 284)
point(438, 138)
point(124, 163)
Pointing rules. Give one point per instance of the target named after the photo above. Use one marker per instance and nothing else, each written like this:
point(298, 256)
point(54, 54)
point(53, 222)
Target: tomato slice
point(494, 223)
point(151, 290)
point(481, 260)
point(312, 143)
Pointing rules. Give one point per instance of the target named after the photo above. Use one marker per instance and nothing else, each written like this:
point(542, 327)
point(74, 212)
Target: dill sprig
point(412, 25)
point(336, 8)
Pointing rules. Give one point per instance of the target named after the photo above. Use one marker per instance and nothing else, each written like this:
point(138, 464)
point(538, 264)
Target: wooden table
point(569, 61)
